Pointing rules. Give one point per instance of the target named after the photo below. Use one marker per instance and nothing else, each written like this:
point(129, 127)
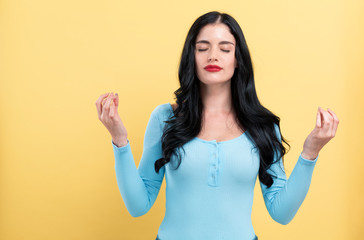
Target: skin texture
point(325, 129)
point(215, 45)
point(216, 52)
point(107, 109)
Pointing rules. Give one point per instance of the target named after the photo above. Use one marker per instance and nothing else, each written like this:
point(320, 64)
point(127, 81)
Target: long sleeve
point(139, 188)
point(284, 197)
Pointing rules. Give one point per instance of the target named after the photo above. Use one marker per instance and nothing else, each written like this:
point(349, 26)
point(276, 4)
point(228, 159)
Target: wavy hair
point(255, 119)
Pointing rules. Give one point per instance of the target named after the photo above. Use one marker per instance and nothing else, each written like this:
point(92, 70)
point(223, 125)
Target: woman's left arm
point(284, 197)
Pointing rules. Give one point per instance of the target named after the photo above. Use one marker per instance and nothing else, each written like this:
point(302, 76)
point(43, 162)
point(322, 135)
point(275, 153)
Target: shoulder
point(163, 110)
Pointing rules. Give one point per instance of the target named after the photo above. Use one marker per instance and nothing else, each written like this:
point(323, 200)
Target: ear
point(236, 63)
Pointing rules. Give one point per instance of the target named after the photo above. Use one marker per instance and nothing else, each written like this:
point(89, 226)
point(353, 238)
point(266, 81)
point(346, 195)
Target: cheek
point(198, 59)
point(230, 59)
point(232, 63)
point(198, 64)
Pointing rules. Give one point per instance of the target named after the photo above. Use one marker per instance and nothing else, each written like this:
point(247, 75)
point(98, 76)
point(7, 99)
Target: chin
point(213, 81)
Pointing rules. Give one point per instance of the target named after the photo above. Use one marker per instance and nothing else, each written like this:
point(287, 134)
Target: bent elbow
point(281, 217)
point(138, 208)
point(282, 220)
point(136, 213)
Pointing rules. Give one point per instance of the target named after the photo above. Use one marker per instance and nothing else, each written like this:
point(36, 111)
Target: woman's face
point(215, 45)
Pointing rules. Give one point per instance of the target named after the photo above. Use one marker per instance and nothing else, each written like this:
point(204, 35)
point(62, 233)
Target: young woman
point(212, 144)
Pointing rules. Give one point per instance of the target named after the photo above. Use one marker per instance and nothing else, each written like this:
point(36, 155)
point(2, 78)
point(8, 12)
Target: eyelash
point(202, 50)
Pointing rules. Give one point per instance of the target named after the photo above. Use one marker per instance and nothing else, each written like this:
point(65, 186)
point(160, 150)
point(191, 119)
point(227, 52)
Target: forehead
point(215, 33)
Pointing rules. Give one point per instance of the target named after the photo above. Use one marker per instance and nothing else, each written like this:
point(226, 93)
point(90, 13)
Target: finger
point(104, 100)
point(103, 96)
point(111, 113)
point(103, 103)
point(322, 118)
point(98, 103)
point(333, 114)
point(112, 107)
point(327, 121)
point(318, 118)
point(336, 121)
point(106, 108)
point(116, 101)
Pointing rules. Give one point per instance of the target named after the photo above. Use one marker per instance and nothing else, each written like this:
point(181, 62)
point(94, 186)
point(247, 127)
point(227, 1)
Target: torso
point(218, 127)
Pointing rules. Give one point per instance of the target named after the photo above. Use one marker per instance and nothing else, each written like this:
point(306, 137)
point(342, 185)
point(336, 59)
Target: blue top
point(210, 195)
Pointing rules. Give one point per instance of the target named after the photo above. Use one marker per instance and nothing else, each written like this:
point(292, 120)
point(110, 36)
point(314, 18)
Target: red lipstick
point(213, 68)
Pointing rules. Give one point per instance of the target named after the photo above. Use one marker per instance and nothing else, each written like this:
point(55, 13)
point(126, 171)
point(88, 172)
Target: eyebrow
point(222, 42)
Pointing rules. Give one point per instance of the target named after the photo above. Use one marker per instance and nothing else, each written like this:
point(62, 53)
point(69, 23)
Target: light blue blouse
point(210, 195)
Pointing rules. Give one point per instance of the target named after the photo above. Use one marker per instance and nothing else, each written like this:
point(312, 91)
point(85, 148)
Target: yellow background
point(57, 178)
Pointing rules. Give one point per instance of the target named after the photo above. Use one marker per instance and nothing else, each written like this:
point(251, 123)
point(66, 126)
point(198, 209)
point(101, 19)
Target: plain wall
point(57, 178)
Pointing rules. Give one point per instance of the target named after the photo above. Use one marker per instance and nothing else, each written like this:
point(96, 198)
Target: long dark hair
point(255, 119)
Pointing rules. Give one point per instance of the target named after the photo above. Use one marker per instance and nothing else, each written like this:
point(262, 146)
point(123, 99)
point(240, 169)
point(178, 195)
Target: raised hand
point(324, 131)
point(107, 109)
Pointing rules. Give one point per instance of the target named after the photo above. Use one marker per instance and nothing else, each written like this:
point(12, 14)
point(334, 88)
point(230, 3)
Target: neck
point(216, 98)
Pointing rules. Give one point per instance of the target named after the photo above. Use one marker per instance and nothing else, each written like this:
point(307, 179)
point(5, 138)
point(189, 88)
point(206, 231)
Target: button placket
point(213, 171)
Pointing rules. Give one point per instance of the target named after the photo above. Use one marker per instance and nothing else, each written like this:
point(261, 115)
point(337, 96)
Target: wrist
point(120, 141)
point(309, 155)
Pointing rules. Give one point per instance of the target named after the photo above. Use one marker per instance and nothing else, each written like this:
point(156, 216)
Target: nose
point(212, 56)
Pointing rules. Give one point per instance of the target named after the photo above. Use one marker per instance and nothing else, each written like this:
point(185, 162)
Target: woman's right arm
point(139, 188)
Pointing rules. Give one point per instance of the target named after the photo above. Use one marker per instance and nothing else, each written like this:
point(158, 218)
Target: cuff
point(121, 149)
point(307, 161)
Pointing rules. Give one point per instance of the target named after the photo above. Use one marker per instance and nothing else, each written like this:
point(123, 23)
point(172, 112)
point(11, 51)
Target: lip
point(213, 68)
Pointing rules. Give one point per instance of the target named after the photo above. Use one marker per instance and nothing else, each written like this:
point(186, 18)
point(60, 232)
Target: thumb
point(318, 118)
point(116, 101)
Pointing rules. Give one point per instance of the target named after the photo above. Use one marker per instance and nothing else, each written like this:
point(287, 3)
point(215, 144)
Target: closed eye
point(202, 50)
